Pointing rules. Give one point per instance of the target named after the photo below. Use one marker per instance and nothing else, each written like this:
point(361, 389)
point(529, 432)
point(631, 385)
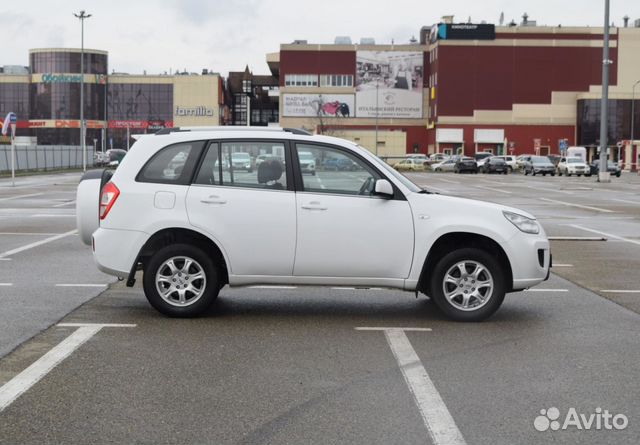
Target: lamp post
point(376, 141)
point(633, 97)
point(603, 171)
point(82, 16)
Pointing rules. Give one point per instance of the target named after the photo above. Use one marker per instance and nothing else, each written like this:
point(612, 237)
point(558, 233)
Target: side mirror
point(384, 188)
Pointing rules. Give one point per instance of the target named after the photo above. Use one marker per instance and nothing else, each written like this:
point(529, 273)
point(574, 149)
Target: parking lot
point(96, 364)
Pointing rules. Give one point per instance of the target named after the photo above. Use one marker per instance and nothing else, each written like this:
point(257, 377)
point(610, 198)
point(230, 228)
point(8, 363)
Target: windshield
point(540, 160)
point(574, 161)
point(399, 176)
point(240, 156)
point(305, 156)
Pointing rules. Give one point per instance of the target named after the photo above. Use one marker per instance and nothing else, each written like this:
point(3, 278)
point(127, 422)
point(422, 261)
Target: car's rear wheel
point(468, 285)
point(180, 280)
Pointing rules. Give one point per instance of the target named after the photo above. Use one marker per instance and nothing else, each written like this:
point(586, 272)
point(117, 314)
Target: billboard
point(393, 80)
point(466, 31)
point(317, 105)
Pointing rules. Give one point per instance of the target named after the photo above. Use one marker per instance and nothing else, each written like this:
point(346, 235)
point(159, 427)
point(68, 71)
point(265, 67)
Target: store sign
point(318, 105)
point(100, 79)
point(390, 80)
point(466, 31)
point(141, 125)
point(199, 111)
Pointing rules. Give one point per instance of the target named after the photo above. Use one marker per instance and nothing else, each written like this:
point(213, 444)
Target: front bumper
point(530, 257)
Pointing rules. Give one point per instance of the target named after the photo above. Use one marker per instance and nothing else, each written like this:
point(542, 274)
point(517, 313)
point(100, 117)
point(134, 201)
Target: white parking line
point(493, 189)
point(440, 425)
point(549, 190)
point(577, 238)
point(29, 233)
point(81, 285)
point(448, 180)
point(597, 209)
point(546, 290)
point(6, 284)
point(621, 291)
point(54, 215)
point(21, 383)
point(65, 203)
point(631, 241)
point(563, 265)
point(21, 196)
point(627, 201)
point(36, 244)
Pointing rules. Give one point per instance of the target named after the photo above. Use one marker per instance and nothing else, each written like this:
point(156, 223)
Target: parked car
point(539, 165)
point(612, 167)
point(421, 156)
point(573, 166)
point(241, 161)
point(339, 164)
point(510, 161)
point(100, 159)
point(494, 165)
point(192, 235)
point(555, 159)
point(521, 160)
point(482, 155)
point(436, 158)
point(410, 164)
point(465, 164)
point(445, 166)
point(307, 163)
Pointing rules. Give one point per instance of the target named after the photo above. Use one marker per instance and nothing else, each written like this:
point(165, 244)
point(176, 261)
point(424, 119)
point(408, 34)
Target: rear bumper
point(115, 251)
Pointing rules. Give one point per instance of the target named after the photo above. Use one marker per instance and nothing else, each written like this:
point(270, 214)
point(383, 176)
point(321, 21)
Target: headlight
point(526, 225)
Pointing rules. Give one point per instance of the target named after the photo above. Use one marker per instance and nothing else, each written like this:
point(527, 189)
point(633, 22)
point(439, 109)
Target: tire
point(313, 173)
point(438, 170)
point(618, 174)
point(510, 169)
point(505, 172)
point(207, 288)
point(552, 173)
point(453, 307)
point(568, 174)
point(533, 173)
point(526, 173)
point(559, 172)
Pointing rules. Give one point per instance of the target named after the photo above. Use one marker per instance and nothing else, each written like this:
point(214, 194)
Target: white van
point(577, 152)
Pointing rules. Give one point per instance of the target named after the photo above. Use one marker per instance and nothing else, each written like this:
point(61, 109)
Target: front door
point(249, 210)
point(345, 231)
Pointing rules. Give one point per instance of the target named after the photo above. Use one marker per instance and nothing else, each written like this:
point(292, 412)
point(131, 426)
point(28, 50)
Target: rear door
point(345, 231)
point(251, 214)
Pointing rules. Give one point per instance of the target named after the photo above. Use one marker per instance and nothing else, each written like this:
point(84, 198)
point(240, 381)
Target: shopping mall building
point(46, 98)
point(464, 88)
point(459, 88)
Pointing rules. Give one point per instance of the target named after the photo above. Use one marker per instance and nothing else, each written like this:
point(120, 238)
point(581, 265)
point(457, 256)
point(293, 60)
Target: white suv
point(573, 166)
point(204, 226)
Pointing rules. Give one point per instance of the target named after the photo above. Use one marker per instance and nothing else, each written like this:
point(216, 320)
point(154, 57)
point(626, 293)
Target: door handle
point(313, 205)
point(213, 199)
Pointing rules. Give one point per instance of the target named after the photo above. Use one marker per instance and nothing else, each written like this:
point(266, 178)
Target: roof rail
point(298, 131)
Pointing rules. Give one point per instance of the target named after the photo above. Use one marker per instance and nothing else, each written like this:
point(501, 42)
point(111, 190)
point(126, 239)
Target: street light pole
point(633, 94)
point(82, 16)
point(376, 141)
point(603, 171)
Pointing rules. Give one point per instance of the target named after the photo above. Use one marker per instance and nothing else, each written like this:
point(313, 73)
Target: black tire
point(533, 173)
point(618, 174)
point(211, 273)
point(468, 254)
point(559, 172)
point(544, 174)
point(568, 174)
point(526, 172)
point(552, 173)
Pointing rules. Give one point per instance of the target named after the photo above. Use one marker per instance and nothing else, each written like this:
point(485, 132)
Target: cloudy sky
point(226, 35)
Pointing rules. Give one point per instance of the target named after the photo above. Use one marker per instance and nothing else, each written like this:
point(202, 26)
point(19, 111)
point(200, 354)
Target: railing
point(44, 157)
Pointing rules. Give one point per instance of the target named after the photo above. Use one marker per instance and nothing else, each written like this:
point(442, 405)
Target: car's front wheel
point(468, 285)
point(180, 280)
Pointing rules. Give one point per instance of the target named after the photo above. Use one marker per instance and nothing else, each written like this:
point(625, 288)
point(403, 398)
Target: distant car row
point(488, 163)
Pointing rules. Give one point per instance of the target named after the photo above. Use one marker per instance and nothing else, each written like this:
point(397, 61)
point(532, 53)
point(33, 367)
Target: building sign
point(392, 80)
point(466, 31)
point(141, 124)
point(100, 79)
point(199, 111)
point(63, 123)
point(317, 105)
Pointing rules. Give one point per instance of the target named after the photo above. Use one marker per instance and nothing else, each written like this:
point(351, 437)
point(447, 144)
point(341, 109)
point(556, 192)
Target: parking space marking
point(49, 215)
point(627, 201)
point(448, 180)
point(36, 244)
point(621, 291)
point(597, 209)
point(620, 238)
point(493, 189)
point(21, 196)
point(563, 265)
point(29, 233)
point(577, 238)
point(22, 382)
point(549, 190)
point(65, 203)
point(440, 425)
point(6, 284)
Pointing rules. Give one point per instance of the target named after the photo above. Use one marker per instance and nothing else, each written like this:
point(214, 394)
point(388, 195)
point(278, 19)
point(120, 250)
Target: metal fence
point(43, 157)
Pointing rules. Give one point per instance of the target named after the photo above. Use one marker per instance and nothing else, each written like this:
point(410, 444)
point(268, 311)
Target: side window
point(253, 164)
point(209, 173)
point(328, 170)
point(172, 164)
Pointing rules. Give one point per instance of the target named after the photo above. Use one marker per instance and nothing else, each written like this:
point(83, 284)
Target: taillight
point(107, 198)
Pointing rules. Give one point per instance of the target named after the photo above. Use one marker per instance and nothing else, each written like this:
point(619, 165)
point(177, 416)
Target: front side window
point(171, 164)
point(329, 170)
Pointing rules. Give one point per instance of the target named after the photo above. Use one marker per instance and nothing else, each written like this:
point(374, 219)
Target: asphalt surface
point(288, 365)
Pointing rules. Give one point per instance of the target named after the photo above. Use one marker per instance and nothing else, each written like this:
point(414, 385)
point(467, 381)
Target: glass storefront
point(14, 97)
point(62, 101)
point(619, 121)
point(67, 62)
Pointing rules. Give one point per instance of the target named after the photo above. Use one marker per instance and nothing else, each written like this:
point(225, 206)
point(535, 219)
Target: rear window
point(171, 165)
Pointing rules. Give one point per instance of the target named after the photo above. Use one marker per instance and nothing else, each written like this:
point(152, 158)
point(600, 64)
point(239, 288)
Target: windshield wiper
point(427, 192)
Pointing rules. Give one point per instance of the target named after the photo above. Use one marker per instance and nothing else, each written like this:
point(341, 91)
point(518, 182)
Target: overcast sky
point(226, 35)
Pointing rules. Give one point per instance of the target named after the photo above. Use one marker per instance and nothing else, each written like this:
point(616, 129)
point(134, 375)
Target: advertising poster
point(395, 78)
point(318, 105)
